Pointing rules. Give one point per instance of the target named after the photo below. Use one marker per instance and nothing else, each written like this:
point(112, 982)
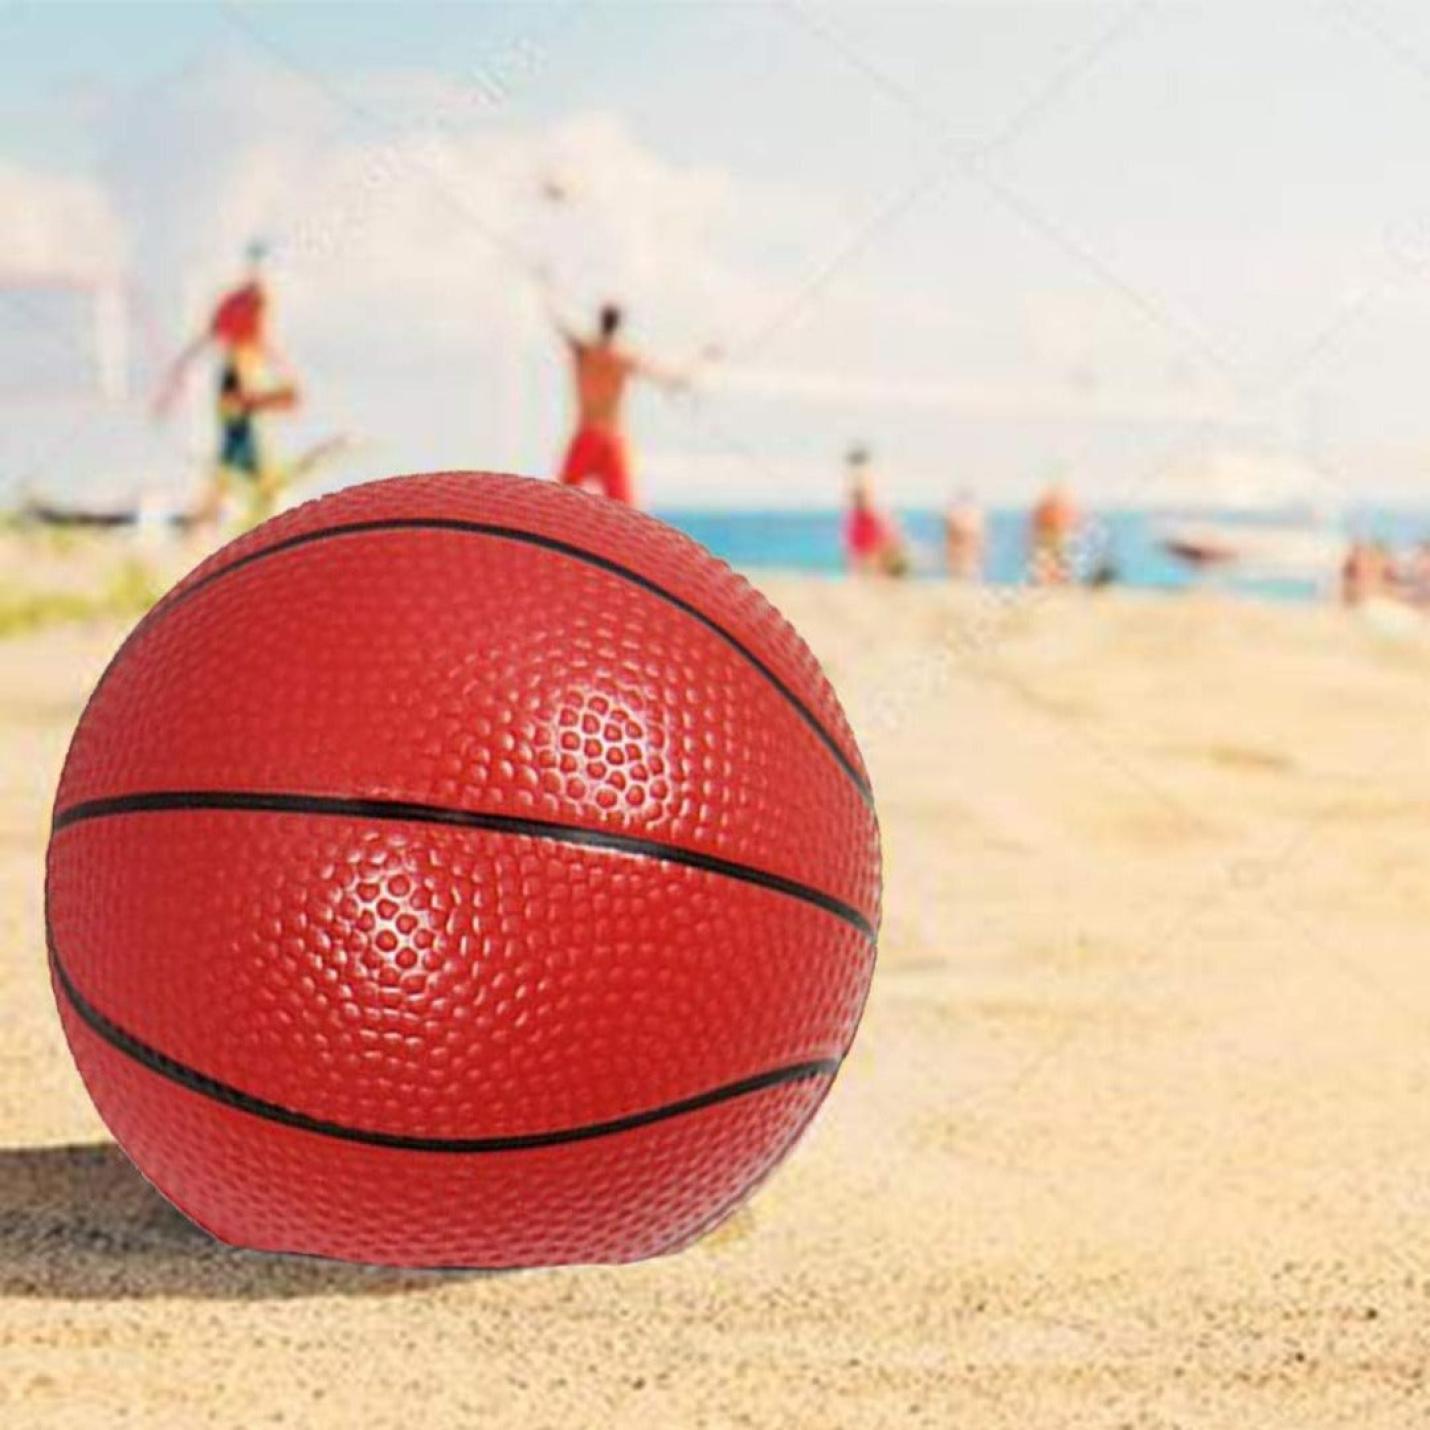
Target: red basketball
point(461, 870)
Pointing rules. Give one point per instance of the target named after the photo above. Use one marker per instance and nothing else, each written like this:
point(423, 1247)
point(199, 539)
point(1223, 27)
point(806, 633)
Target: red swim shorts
point(597, 456)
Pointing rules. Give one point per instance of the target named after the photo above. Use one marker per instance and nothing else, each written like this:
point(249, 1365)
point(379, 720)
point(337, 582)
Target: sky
point(1153, 249)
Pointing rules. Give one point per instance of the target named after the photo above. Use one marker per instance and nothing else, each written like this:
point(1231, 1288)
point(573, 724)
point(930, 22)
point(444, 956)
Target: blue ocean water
point(1127, 543)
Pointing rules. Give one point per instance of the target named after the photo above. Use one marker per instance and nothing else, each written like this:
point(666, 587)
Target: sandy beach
point(1134, 1135)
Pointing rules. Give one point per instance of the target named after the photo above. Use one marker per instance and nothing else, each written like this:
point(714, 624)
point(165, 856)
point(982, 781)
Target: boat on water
point(34, 513)
point(1277, 550)
point(1250, 514)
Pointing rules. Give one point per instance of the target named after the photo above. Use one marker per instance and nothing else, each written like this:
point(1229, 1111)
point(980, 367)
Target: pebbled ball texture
point(461, 870)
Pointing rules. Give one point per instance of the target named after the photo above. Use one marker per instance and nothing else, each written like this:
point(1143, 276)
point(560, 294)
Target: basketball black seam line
point(216, 1090)
point(329, 806)
point(564, 548)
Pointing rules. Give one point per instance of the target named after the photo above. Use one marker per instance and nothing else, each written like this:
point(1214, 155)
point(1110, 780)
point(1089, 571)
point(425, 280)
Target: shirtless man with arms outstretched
point(598, 455)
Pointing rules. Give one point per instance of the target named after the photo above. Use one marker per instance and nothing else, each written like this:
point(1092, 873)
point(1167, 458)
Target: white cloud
point(203, 164)
point(57, 225)
point(449, 228)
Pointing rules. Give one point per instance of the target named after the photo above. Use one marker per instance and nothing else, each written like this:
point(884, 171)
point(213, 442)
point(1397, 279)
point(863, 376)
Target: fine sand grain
point(1135, 1135)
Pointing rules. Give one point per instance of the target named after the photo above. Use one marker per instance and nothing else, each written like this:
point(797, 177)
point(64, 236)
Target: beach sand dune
point(1134, 1135)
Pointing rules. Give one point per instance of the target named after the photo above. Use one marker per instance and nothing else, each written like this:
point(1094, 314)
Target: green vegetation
point(130, 590)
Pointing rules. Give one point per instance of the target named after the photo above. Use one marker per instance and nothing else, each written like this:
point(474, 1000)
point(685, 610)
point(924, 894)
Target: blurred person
point(1052, 527)
point(598, 454)
point(1106, 573)
point(1367, 573)
point(1413, 577)
point(253, 378)
point(963, 536)
point(873, 545)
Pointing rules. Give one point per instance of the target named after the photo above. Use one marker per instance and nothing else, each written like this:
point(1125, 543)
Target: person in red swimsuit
point(872, 543)
point(598, 456)
point(253, 379)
